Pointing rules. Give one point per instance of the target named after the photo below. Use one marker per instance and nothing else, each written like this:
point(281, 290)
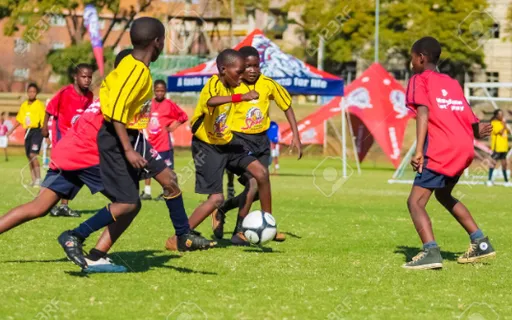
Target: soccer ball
point(259, 227)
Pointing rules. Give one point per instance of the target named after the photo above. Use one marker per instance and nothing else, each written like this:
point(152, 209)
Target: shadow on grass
point(293, 235)
point(35, 261)
point(410, 252)
point(143, 261)
point(261, 250)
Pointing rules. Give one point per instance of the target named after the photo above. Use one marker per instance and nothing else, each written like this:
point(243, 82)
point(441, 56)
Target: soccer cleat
point(508, 184)
point(65, 211)
point(218, 219)
point(426, 259)
point(280, 237)
point(160, 197)
point(478, 250)
point(239, 239)
point(145, 196)
point(231, 192)
point(103, 265)
point(193, 240)
point(72, 246)
point(54, 212)
point(489, 183)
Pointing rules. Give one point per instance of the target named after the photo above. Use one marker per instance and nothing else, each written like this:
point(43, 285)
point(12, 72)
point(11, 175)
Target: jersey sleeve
point(280, 95)
point(41, 113)
point(53, 106)
point(123, 91)
point(179, 114)
point(417, 93)
point(20, 116)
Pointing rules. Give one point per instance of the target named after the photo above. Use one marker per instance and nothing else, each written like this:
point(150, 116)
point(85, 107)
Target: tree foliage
point(348, 29)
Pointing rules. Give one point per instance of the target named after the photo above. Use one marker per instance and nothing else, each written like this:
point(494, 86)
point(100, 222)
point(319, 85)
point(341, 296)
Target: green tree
point(348, 29)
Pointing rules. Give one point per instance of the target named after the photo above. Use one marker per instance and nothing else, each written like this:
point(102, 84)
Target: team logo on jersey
point(220, 125)
point(397, 98)
point(154, 124)
point(253, 117)
point(359, 98)
point(143, 114)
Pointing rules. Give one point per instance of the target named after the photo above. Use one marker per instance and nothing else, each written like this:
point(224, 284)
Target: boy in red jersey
point(166, 116)
point(445, 129)
point(65, 107)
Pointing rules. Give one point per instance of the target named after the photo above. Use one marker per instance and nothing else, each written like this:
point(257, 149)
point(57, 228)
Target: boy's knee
point(216, 199)
point(413, 202)
point(261, 175)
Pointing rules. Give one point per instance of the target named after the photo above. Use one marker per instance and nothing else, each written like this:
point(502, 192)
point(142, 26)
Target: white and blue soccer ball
point(259, 227)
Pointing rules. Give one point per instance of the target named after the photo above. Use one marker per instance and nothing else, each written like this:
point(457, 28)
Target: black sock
point(96, 255)
point(178, 215)
point(230, 204)
point(100, 220)
point(238, 226)
point(505, 175)
point(491, 170)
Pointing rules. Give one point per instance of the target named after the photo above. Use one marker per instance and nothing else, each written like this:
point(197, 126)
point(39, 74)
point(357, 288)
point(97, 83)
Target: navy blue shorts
point(429, 179)
point(67, 184)
point(168, 157)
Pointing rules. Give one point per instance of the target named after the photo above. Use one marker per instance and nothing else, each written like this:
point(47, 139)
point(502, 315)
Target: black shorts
point(429, 179)
point(33, 141)
point(168, 157)
point(67, 184)
point(499, 155)
point(120, 179)
point(259, 148)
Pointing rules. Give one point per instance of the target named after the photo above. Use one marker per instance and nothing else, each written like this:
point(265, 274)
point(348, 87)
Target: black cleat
point(145, 196)
point(479, 249)
point(72, 246)
point(239, 239)
point(193, 241)
point(54, 212)
point(160, 197)
point(66, 211)
point(218, 220)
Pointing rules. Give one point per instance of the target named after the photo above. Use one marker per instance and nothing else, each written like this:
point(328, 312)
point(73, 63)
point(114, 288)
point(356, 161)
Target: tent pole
point(353, 139)
point(325, 137)
point(343, 140)
point(405, 161)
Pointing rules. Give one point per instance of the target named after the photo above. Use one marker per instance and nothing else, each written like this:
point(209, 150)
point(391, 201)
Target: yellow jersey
point(252, 117)
point(499, 142)
point(126, 93)
point(31, 115)
point(212, 125)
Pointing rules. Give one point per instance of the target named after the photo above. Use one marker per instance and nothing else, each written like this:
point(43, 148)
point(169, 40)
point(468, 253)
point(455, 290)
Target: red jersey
point(163, 114)
point(66, 106)
point(449, 144)
point(3, 129)
point(79, 148)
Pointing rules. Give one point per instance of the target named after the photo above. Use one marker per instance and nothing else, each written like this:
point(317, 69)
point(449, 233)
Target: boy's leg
point(231, 185)
point(34, 209)
point(504, 170)
point(416, 204)
point(36, 168)
point(480, 246)
point(492, 166)
point(146, 194)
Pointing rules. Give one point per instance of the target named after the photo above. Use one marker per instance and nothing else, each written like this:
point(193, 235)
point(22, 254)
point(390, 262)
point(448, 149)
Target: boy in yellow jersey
point(499, 145)
point(125, 155)
point(213, 145)
point(31, 118)
point(250, 123)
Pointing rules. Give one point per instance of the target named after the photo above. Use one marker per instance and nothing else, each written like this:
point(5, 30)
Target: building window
point(57, 21)
point(495, 31)
point(493, 77)
point(58, 45)
point(21, 46)
point(21, 73)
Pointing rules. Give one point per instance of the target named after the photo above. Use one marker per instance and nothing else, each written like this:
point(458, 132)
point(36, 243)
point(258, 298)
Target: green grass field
point(342, 258)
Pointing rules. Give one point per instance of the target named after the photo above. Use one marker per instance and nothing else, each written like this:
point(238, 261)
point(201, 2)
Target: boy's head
point(425, 54)
point(32, 91)
point(83, 76)
point(252, 63)
point(120, 56)
point(230, 64)
point(148, 34)
point(160, 89)
point(497, 115)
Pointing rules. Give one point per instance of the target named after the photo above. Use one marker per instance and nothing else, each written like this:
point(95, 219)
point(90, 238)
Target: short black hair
point(121, 55)
point(33, 85)
point(429, 47)
point(144, 30)
point(159, 81)
point(249, 51)
point(81, 66)
point(227, 57)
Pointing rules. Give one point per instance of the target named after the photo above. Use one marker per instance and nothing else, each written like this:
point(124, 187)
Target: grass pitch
point(347, 240)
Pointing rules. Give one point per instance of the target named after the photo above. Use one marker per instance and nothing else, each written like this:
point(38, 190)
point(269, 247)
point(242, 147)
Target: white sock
point(147, 190)
point(277, 166)
point(37, 182)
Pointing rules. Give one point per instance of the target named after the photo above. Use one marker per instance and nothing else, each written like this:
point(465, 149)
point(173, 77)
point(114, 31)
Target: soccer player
point(125, 155)
point(445, 126)
point(4, 140)
point(166, 116)
point(273, 136)
point(250, 124)
point(214, 147)
point(499, 146)
point(31, 117)
point(65, 107)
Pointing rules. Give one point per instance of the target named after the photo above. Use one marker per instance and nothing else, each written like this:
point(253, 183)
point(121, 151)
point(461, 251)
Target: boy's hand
point(298, 145)
point(251, 95)
point(417, 162)
point(135, 159)
point(484, 130)
point(44, 132)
